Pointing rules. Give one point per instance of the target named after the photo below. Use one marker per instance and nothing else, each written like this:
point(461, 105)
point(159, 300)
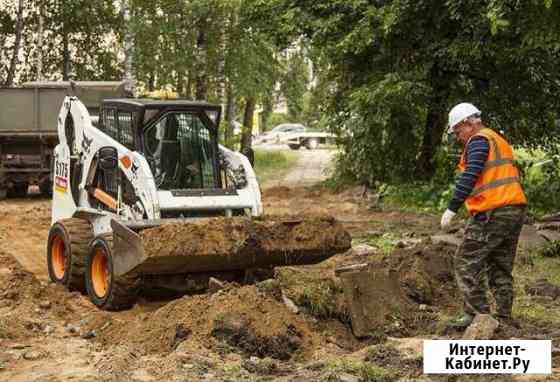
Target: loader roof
point(156, 103)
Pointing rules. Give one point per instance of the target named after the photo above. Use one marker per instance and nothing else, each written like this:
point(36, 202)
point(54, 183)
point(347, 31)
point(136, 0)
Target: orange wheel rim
point(58, 257)
point(100, 272)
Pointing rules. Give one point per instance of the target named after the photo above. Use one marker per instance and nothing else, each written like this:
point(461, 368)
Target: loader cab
point(178, 138)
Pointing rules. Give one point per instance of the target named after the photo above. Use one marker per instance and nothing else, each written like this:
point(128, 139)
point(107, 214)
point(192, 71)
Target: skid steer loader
point(147, 198)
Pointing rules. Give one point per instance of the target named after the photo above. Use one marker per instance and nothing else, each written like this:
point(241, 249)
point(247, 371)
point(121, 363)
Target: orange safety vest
point(499, 184)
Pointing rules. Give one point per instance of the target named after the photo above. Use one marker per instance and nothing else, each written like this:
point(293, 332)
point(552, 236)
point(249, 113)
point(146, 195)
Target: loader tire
point(106, 290)
point(18, 190)
point(46, 188)
point(67, 248)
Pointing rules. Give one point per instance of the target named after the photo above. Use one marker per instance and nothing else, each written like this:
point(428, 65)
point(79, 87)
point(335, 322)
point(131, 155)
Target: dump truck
point(28, 129)
point(149, 200)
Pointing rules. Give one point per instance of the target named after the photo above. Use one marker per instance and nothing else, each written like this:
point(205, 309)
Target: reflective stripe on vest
point(494, 184)
point(497, 172)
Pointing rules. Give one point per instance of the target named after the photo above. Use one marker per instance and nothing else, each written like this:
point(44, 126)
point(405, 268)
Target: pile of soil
point(30, 308)
point(280, 192)
point(426, 273)
point(243, 318)
point(402, 293)
point(221, 244)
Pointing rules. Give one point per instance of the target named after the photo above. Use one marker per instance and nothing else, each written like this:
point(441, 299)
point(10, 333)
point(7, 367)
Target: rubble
point(482, 328)
point(544, 288)
point(33, 355)
point(292, 307)
point(214, 285)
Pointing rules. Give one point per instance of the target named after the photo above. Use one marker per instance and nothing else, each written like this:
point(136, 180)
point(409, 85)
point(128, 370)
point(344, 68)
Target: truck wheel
point(311, 144)
point(106, 290)
point(67, 249)
point(46, 188)
point(294, 146)
point(18, 190)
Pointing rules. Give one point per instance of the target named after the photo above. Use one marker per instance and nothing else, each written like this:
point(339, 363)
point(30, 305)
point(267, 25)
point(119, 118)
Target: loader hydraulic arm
point(103, 197)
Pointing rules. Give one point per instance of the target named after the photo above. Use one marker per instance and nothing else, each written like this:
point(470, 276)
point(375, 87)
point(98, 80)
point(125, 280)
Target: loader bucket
point(226, 244)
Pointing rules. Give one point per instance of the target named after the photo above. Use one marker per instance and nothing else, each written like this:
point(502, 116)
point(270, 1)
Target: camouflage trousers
point(486, 258)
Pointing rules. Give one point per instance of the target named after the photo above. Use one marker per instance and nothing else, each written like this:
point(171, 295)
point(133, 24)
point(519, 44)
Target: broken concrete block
point(292, 307)
point(447, 239)
point(362, 250)
point(482, 328)
point(215, 285)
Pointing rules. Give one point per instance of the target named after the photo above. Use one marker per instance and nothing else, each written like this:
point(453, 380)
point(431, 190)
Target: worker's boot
point(503, 314)
point(461, 322)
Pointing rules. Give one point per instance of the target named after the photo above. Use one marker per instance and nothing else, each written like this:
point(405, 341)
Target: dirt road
point(312, 166)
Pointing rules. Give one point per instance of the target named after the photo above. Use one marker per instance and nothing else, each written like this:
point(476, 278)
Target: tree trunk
point(268, 104)
point(246, 135)
point(128, 48)
point(17, 46)
point(230, 113)
point(436, 122)
point(40, 30)
point(151, 81)
point(65, 56)
point(201, 91)
point(180, 86)
point(188, 91)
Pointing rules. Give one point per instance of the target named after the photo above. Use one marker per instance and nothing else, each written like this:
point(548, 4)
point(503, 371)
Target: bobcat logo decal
point(86, 143)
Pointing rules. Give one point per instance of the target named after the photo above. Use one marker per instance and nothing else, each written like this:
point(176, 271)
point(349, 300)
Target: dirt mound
point(243, 320)
point(280, 192)
point(219, 244)
point(30, 308)
point(401, 294)
point(426, 273)
point(239, 332)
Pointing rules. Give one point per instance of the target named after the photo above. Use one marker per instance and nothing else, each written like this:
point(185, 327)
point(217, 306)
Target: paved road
point(313, 166)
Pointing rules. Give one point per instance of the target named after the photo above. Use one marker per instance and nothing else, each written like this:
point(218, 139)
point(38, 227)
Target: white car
point(274, 135)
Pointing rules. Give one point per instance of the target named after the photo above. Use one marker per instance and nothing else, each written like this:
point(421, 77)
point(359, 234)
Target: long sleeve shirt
point(476, 157)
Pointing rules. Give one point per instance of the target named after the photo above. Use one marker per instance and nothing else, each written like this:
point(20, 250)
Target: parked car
point(278, 132)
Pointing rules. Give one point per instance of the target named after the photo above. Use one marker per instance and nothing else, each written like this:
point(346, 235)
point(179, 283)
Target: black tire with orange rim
point(106, 290)
point(67, 248)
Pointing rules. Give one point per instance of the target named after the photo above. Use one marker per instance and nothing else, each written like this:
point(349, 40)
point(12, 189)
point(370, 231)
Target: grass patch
point(385, 243)
point(320, 296)
point(417, 197)
point(273, 164)
point(528, 307)
point(365, 371)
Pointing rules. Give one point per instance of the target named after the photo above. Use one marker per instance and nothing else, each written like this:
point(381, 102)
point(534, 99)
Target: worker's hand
point(446, 219)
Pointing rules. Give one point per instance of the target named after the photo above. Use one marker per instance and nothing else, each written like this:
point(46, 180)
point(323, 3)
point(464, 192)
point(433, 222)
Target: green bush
point(541, 186)
point(276, 119)
point(427, 197)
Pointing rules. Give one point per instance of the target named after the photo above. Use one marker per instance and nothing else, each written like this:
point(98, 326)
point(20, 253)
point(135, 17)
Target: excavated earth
point(293, 327)
point(221, 244)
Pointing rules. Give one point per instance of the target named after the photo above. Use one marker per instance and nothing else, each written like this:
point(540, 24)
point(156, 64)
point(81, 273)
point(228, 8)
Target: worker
point(490, 188)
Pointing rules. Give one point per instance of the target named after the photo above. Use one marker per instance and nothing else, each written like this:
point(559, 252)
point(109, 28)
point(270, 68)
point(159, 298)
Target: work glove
point(446, 219)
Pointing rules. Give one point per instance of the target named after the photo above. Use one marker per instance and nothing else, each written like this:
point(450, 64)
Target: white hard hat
point(461, 112)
